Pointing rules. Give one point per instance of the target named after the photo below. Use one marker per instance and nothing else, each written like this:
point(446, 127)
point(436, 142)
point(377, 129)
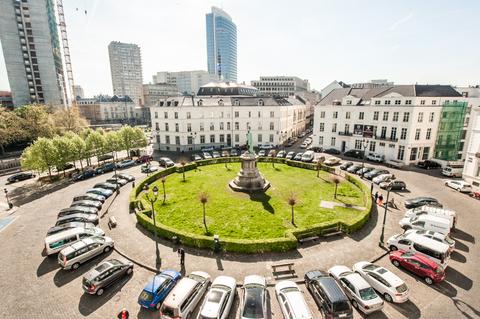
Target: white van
point(374, 157)
point(184, 297)
point(452, 171)
point(432, 249)
point(433, 211)
point(308, 156)
point(427, 222)
point(56, 242)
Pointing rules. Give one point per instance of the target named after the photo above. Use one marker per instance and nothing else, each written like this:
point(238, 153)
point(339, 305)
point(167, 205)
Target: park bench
point(307, 237)
point(288, 270)
point(332, 231)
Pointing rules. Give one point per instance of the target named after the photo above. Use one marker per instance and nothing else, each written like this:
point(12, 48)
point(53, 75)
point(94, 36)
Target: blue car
point(158, 288)
point(105, 168)
point(126, 163)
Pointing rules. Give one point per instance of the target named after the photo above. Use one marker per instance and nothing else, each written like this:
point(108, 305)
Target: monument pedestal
point(249, 178)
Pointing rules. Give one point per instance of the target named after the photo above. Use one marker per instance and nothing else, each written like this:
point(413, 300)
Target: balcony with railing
point(345, 133)
point(384, 138)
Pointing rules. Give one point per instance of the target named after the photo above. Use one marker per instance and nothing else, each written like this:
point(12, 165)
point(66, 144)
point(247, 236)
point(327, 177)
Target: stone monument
point(249, 178)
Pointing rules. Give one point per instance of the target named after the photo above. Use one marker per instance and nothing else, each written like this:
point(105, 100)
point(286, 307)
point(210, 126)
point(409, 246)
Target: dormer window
point(220, 102)
point(175, 103)
point(349, 102)
point(169, 103)
point(199, 102)
point(161, 103)
point(236, 103)
point(261, 103)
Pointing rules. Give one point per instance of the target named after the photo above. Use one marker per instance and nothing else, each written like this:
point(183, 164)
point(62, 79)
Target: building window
point(212, 138)
point(332, 143)
point(422, 102)
point(202, 139)
point(347, 115)
point(397, 102)
point(261, 103)
point(272, 126)
point(158, 139)
point(222, 138)
point(202, 127)
point(434, 102)
point(189, 127)
point(320, 140)
point(212, 126)
point(335, 114)
point(349, 102)
point(167, 139)
point(408, 102)
point(403, 134)
point(322, 114)
point(420, 117)
point(372, 146)
point(334, 127)
point(166, 127)
point(176, 127)
point(347, 128)
point(385, 116)
point(237, 138)
point(417, 134)
point(249, 114)
point(237, 114)
point(393, 134)
point(395, 117)
point(156, 115)
point(221, 126)
point(413, 154)
point(358, 144)
point(406, 116)
point(429, 133)
point(321, 127)
point(383, 133)
point(270, 138)
point(377, 102)
point(176, 115)
point(375, 115)
point(361, 115)
point(401, 152)
point(189, 140)
point(237, 126)
point(431, 117)
point(189, 116)
point(387, 102)
point(259, 136)
point(165, 115)
point(228, 126)
point(426, 153)
point(177, 140)
point(157, 126)
point(272, 114)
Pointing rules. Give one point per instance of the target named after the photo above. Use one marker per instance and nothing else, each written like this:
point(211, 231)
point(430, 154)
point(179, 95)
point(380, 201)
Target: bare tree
point(163, 180)
point(183, 163)
point(203, 197)
point(273, 153)
point(292, 201)
point(336, 181)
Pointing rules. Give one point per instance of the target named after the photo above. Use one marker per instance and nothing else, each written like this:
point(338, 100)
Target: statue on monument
point(250, 142)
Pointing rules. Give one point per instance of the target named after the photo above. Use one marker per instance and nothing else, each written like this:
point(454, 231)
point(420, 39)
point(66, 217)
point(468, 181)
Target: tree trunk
point(183, 173)
point(318, 172)
point(164, 194)
point(49, 172)
point(204, 220)
point(335, 196)
point(293, 216)
point(2, 149)
point(81, 164)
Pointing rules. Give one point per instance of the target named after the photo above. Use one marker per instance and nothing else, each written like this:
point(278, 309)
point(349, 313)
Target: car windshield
point(408, 254)
point(253, 302)
point(214, 296)
point(367, 293)
point(402, 288)
point(370, 267)
point(147, 296)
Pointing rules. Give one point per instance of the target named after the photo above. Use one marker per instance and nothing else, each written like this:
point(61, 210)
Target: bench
point(308, 237)
point(332, 231)
point(288, 270)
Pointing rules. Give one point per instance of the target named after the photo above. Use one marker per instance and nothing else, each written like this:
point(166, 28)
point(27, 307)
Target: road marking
point(4, 222)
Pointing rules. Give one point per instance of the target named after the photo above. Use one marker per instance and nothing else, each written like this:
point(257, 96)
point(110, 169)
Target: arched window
point(220, 102)
point(261, 103)
point(236, 102)
point(200, 102)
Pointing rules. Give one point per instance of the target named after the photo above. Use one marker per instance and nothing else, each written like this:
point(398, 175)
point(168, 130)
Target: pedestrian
point(123, 314)
point(376, 197)
point(181, 253)
point(380, 199)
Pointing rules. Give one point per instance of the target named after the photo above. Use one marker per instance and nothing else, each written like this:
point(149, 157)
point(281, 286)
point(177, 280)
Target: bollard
point(112, 222)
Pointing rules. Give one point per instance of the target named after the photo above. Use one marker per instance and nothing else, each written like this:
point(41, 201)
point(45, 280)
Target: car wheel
point(158, 305)
point(459, 189)
point(428, 280)
point(106, 249)
point(189, 316)
point(75, 266)
point(100, 292)
point(354, 304)
point(129, 271)
point(393, 247)
point(387, 297)
point(395, 263)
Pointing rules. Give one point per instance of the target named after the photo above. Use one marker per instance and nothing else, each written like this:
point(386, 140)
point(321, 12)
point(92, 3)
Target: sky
point(404, 41)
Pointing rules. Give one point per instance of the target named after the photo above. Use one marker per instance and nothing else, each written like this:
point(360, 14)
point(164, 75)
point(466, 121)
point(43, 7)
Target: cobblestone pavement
point(35, 287)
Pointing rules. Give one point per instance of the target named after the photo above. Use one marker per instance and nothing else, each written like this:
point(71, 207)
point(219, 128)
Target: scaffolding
point(66, 52)
point(450, 129)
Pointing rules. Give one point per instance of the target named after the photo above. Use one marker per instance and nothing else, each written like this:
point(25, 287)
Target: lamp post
point(9, 203)
point(152, 201)
point(384, 217)
point(364, 146)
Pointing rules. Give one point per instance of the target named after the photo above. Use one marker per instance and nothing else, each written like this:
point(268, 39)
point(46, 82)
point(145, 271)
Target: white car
point(460, 186)
point(304, 145)
point(308, 140)
point(358, 290)
point(385, 282)
point(219, 299)
point(254, 298)
point(382, 178)
point(206, 155)
point(290, 155)
point(291, 301)
point(332, 161)
point(433, 235)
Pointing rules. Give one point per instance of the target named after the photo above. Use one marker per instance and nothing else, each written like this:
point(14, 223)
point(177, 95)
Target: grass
point(260, 216)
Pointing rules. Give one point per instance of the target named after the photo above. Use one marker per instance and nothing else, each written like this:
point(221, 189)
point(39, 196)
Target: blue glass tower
point(221, 45)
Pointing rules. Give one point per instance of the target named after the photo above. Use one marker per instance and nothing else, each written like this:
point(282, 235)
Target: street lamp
point(364, 146)
point(384, 217)
point(152, 201)
point(10, 205)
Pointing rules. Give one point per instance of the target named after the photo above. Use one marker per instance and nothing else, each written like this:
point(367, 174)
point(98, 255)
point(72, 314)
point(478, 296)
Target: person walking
point(375, 197)
point(181, 253)
point(123, 314)
point(380, 200)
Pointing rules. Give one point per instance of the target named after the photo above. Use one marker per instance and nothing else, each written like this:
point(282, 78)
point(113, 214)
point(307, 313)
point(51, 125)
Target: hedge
point(245, 245)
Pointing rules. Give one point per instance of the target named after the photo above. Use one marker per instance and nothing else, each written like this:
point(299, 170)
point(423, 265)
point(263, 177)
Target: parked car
point(358, 290)
point(117, 181)
point(148, 168)
point(420, 265)
point(298, 157)
point(266, 146)
point(225, 153)
point(331, 161)
point(126, 163)
point(64, 167)
point(79, 217)
point(304, 145)
point(105, 274)
point(291, 300)
point(234, 152)
point(354, 154)
point(157, 289)
point(89, 196)
point(100, 191)
point(346, 165)
point(382, 178)
point(20, 177)
point(206, 155)
point(127, 177)
point(352, 169)
point(453, 171)
point(421, 201)
point(442, 238)
point(67, 236)
point(329, 297)
point(428, 164)
point(385, 282)
point(427, 222)
point(375, 157)
point(364, 171)
point(449, 214)
point(262, 153)
point(460, 186)
point(166, 162)
point(219, 298)
point(87, 173)
point(185, 296)
point(196, 157)
point(395, 185)
point(281, 154)
point(375, 173)
point(271, 153)
point(316, 149)
point(105, 168)
point(395, 163)
point(332, 151)
point(83, 250)
point(144, 159)
point(105, 157)
point(77, 209)
point(57, 229)
point(254, 298)
point(109, 186)
point(290, 155)
point(215, 154)
point(308, 156)
point(88, 203)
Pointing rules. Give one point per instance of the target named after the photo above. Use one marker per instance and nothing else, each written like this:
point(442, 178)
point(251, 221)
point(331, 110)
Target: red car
point(144, 159)
point(418, 264)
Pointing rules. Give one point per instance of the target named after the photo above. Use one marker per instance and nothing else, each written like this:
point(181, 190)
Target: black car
point(420, 201)
point(316, 149)
point(328, 295)
point(63, 227)
point(354, 168)
point(105, 168)
point(354, 154)
point(84, 175)
point(333, 151)
point(374, 173)
point(105, 157)
point(427, 164)
point(345, 165)
point(364, 170)
point(394, 185)
point(20, 177)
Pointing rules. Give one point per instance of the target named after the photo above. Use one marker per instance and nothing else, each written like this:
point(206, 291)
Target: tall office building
point(221, 45)
point(126, 69)
point(31, 48)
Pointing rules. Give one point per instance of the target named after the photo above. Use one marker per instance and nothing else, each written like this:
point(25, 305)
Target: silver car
point(72, 256)
point(87, 203)
point(79, 217)
point(105, 274)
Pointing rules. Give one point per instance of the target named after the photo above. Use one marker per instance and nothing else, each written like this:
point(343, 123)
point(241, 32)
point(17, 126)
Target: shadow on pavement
point(461, 246)
point(368, 227)
point(30, 192)
point(90, 303)
point(461, 304)
point(460, 234)
point(47, 265)
point(458, 279)
point(147, 314)
point(458, 257)
point(408, 309)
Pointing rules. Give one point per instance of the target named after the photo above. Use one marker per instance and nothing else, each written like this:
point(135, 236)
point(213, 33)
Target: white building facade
point(399, 122)
point(221, 118)
point(105, 109)
point(187, 82)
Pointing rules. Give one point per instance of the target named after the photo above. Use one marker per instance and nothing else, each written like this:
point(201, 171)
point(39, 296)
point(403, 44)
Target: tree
point(292, 201)
point(79, 147)
point(40, 156)
point(203, 197)
point(36, 121)
point(96, 143)
point(319, 165)
point(113, 143)
point(69, 120)
point(183, 163)
point(64, 152)
point(272, 155)
point(336, 181)
point(132, 138)
point(88, 151)
point(163, 180)
point(11, 128)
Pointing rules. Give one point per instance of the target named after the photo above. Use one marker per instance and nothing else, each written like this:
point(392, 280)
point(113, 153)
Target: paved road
point(34, 286)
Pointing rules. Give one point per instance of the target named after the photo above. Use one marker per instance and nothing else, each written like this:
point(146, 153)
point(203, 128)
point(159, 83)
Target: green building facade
point(450, 130)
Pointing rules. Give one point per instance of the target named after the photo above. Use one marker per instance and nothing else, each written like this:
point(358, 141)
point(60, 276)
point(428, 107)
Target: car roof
point(331, 288)
point(428, 242)
point(389, 276)
point(87, 216)
point(432, 218)
point(295, 298)
point(213, 302)
point(255, 280)
point(357, 280)
point(80, 244)
point(180, 292)
point(419, 257)
point(64, 233)
point(156, 282)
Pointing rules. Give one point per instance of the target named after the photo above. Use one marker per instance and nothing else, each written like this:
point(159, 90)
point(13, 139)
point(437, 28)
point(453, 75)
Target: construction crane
point(66, 54)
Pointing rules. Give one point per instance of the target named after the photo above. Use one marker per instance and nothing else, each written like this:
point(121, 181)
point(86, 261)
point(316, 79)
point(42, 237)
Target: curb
point(379, 257)
point(136, 262)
